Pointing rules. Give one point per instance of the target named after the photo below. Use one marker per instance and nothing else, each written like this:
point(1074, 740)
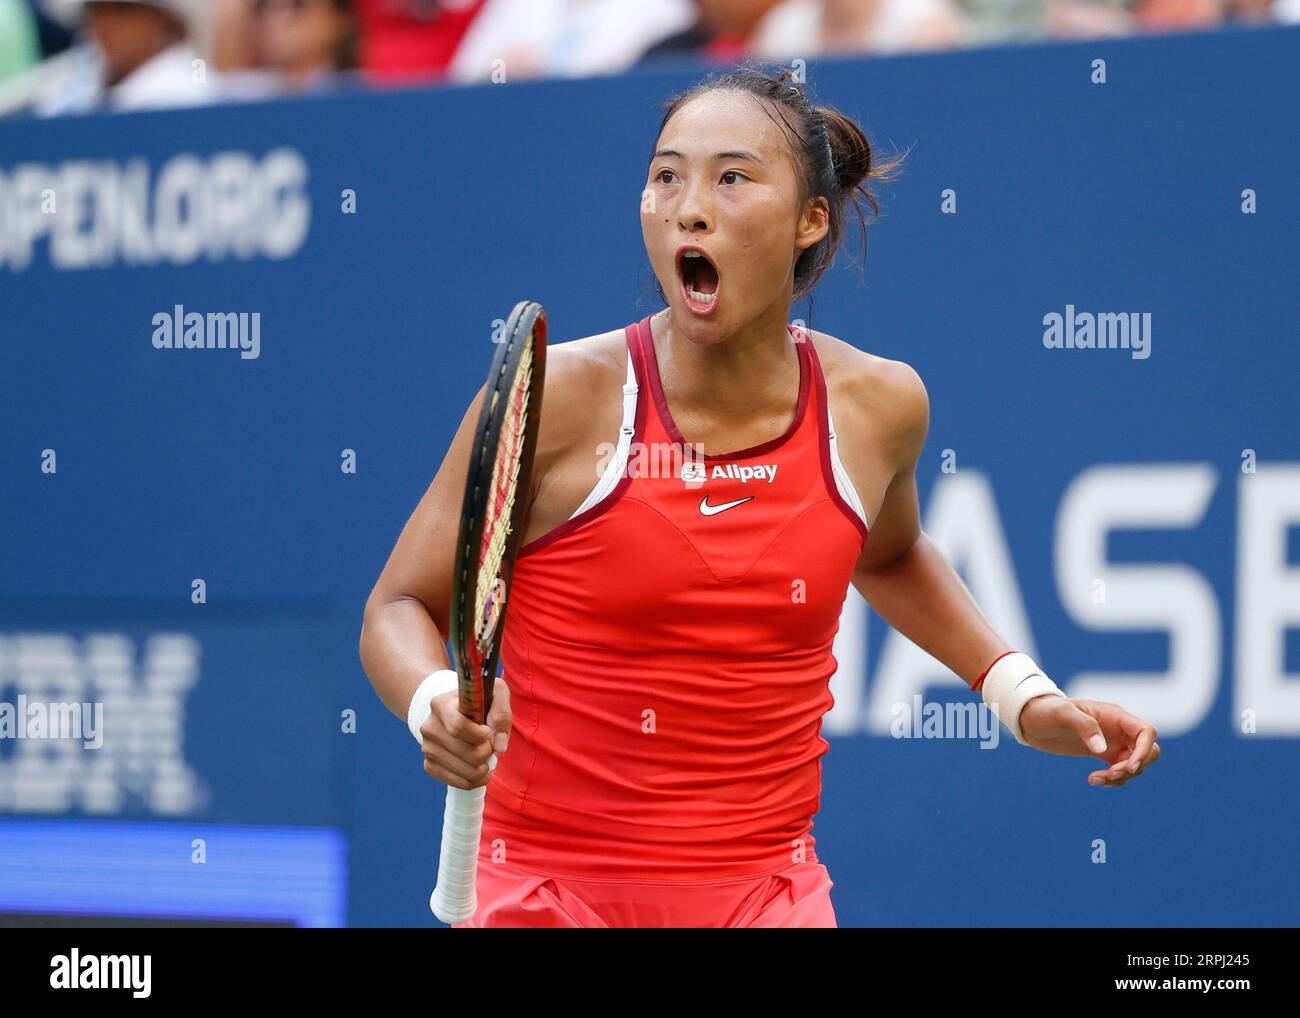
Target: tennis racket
point(491, 523)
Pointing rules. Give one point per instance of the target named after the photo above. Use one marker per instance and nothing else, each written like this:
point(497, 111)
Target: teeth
point(696, 295)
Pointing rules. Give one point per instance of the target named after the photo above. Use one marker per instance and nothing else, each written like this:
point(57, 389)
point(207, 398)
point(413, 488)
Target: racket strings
point(489, 592)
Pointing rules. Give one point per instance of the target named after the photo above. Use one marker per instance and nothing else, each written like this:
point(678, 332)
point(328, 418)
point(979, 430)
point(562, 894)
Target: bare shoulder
point(874, 395)
point(590, 359)
point(582, 377)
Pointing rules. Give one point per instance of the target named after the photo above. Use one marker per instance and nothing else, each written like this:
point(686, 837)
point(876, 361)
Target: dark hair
point(346, 52)
point(830, 148)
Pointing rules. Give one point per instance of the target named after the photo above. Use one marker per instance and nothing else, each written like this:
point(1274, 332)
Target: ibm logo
point(139, 762)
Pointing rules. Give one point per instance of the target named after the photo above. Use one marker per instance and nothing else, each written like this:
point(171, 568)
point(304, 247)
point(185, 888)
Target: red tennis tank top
point(668, 654)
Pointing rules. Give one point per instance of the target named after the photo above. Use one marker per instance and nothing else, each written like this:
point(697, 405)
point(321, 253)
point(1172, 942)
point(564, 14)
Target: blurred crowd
point(70, 56)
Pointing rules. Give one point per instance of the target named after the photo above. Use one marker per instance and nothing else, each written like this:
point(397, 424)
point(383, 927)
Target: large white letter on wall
point(1141, 596)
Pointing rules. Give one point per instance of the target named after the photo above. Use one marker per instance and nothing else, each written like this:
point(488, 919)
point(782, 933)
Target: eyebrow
point(733, 154)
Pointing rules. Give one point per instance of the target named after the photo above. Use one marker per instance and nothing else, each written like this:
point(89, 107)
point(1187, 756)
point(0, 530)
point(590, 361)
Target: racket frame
point(454, 898)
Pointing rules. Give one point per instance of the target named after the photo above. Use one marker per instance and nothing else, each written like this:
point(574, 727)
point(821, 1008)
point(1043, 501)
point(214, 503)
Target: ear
point(814, 223)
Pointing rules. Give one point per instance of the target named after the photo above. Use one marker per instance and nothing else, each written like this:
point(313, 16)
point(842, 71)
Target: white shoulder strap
point(842, 481)
point(618, 464)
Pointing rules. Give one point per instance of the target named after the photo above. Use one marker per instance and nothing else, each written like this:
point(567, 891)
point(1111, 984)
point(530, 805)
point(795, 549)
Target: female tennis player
point(668, 649)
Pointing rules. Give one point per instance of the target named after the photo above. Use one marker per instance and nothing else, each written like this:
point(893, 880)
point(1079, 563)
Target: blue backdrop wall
point(1131, 516)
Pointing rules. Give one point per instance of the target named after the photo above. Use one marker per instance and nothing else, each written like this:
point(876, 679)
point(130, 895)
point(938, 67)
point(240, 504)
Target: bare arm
point(900, 572)
point(403, 634)
point(905, 578)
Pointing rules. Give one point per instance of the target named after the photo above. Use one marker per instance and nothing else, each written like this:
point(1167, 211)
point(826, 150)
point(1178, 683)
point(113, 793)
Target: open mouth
point(700, 281)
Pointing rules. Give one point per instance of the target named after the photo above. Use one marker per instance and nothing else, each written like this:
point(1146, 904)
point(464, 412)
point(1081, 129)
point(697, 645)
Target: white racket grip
point(454, 899)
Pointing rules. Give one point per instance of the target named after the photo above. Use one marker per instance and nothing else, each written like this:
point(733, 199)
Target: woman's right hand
point(459, 752)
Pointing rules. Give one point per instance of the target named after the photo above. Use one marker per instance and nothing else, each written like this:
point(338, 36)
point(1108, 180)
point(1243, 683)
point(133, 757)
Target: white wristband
point(1011, 683)
point(433, 685)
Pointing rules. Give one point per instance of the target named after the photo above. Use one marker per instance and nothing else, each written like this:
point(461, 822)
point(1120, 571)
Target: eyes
point(667, 176)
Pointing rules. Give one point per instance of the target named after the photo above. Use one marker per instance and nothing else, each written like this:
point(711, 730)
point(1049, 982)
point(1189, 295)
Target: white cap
point(72, 11)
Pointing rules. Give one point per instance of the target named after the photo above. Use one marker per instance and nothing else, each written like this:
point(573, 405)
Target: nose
point(694, 213)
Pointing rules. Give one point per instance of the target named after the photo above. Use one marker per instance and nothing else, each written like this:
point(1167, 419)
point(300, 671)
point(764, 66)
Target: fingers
point(1142, 747)
point(1111, 778)
point(447, 777)
point(1089, 730)
point(457, 751)
point(499, 718)
point(456, 767)
point(1136, 751)
point(1121, 773)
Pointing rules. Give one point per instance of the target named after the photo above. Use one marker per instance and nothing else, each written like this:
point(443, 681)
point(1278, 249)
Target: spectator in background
point(1092, 18)
point(1002, 21)
point(138, 54)
point(1255, 12)
point(568, 38)
point(1193, 15)
point(55, 36)
point(1088, 19)
point(811, 27)
point(1178, 15)
point(307, 43)
point(721, 30)
point(404, 41)
point(298, 46)
point(19, 43)
point(232, 35)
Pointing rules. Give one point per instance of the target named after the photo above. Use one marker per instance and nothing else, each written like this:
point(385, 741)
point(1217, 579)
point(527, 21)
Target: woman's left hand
point(1057, 724)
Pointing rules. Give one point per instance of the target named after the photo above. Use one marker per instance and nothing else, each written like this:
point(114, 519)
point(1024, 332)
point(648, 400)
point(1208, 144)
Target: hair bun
point(850, 150)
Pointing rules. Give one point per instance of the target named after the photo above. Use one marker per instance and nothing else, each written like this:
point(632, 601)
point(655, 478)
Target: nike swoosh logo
point(713, 510)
